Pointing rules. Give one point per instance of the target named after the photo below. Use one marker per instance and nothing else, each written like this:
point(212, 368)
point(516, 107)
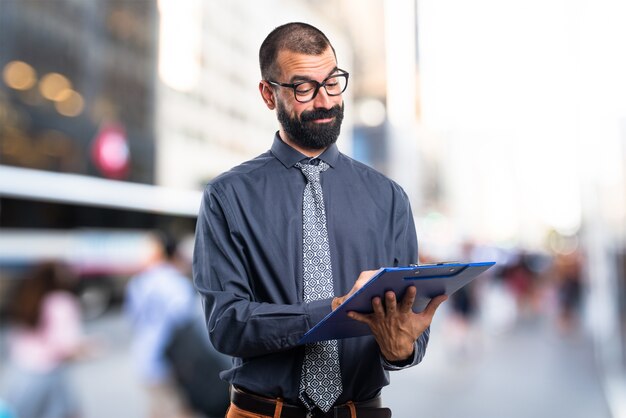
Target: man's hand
point(395, 326)
point(364, 277)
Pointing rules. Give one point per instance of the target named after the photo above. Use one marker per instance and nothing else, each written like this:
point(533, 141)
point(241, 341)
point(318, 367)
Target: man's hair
point(168, 243)
point(296, 37)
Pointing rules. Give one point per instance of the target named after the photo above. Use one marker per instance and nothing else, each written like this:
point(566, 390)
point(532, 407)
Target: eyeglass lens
point(334, 86)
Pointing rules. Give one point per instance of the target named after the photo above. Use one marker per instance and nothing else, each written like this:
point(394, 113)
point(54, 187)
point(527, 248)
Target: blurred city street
point(502, 124)
point(529, 371)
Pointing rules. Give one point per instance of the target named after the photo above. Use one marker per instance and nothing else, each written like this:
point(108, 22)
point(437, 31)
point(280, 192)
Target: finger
point(390, 302)
point(360, 317)
point(377, 305)
point(363, 278)
point(408, 299)
point(434, 304)
point(366, 276)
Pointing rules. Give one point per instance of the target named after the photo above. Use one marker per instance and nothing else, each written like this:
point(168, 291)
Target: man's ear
point(267, 93)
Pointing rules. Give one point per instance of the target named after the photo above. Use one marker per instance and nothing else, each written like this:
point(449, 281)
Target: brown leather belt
point(267, 406)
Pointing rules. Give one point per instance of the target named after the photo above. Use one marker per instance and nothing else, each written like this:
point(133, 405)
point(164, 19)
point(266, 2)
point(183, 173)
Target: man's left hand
point(395, 326)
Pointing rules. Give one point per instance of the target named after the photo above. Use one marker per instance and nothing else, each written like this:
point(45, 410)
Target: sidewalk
point(527, 372)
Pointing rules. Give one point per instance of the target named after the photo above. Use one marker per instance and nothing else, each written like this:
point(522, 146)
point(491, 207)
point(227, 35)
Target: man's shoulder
point(243, 172)
point(369, 174)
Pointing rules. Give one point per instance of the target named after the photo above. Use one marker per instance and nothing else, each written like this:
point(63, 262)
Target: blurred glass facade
point(72, 69)
point(77, 96)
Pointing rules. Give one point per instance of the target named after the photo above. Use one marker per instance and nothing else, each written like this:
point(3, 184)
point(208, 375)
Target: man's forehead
point(298, 65)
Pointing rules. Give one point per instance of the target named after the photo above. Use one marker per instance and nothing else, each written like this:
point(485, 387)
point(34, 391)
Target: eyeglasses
point(305, 91)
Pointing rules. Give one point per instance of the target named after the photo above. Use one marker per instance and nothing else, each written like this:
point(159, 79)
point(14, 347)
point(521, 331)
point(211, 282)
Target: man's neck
point(311, 153)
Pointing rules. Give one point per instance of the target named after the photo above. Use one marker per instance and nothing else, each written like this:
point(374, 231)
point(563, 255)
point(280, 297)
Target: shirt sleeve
point(239, 325)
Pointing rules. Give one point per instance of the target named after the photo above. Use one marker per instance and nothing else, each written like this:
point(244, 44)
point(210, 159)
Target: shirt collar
point(290, 156)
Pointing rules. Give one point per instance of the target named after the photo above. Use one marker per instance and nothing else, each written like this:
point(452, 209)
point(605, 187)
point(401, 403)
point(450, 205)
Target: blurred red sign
point(110, 152)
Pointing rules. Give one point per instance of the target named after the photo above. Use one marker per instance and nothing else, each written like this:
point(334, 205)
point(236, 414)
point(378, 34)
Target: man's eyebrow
point(295, 78)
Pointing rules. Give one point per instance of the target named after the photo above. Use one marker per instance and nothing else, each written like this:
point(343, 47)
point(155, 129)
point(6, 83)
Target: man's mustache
point(310, 115)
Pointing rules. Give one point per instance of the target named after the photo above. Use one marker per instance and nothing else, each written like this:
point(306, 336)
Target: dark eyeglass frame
point(318, 85)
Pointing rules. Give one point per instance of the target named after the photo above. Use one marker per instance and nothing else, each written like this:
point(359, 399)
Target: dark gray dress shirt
point(247, 266)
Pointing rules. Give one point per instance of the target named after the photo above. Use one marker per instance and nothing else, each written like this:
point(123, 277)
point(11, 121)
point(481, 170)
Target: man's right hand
point(364, 277)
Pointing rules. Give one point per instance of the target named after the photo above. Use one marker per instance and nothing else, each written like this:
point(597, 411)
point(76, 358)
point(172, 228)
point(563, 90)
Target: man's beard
point(308, 134)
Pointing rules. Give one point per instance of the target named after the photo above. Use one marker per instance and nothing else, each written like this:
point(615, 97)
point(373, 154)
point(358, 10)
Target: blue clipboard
point(430, 280)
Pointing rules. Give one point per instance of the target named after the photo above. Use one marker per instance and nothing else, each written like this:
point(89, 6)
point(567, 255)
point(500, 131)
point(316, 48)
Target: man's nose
point(322, 99)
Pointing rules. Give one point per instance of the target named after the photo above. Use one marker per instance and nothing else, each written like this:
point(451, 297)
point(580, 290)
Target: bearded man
point(285, 238)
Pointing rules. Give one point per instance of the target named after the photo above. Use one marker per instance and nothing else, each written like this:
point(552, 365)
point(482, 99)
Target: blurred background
point(505, 122)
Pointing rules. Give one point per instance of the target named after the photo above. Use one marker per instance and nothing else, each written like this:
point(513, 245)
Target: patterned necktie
point(320, 383)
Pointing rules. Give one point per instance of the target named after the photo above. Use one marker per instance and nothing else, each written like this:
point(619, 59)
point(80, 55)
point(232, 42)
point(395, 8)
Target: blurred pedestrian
point(569, 288)
point(463, 307)
point(523, 283)
point(45, 334)
point(157, 300)
point(161, 305)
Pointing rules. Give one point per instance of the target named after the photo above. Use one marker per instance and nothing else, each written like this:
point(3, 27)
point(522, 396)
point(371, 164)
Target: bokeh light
point(19, 75)
point(54, 86)
point(70, 103)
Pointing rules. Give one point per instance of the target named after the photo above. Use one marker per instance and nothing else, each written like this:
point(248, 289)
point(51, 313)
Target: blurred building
point(77, 111)
point(385, 78)
point(210, 116)
point(72, 72)
point(77, 96)
point(115, 113)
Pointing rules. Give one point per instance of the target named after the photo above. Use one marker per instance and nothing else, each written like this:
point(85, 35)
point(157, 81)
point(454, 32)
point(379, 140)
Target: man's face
point(316, 124)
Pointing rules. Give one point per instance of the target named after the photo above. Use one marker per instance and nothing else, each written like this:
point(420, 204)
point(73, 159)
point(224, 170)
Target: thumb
point(434, 303)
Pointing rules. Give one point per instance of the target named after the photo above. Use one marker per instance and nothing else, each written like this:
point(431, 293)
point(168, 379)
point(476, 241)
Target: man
point(280, 236)
point(158, 300)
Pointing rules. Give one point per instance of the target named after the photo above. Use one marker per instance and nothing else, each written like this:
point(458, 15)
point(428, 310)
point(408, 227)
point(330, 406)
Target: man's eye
point(304, 88)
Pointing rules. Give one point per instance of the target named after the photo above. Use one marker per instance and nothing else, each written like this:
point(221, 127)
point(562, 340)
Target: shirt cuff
point(400, 365)
point(317, 310)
